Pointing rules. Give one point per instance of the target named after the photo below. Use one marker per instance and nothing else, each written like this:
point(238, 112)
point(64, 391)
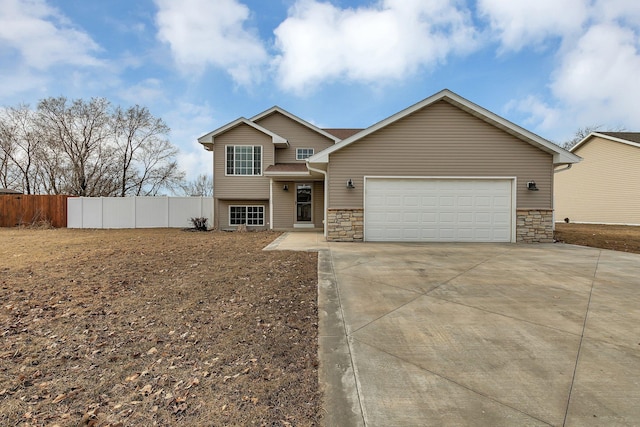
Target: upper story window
point(303, 153)
point(244, 160)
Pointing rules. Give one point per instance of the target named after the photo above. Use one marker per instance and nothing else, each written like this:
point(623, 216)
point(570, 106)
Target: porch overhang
point(291, 172)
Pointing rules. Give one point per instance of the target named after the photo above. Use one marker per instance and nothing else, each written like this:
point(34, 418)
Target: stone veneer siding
point(534, 226)
point(345, 225)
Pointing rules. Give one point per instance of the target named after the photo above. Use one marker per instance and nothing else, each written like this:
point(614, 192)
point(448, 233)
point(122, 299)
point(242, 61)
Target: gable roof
point(276, 109)
point(629, 138)
point(560, 155)
point(208, 139)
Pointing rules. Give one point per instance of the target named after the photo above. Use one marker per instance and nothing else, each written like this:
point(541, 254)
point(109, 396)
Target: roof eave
point(208, 140)
point(603, 136)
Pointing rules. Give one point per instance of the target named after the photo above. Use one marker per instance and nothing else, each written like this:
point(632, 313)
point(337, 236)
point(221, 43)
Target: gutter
point(566, 168)
point(326, 197)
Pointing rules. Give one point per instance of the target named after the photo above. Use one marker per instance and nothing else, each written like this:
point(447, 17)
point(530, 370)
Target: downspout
point(553, 218)
point(326, 197)
point(271, 204)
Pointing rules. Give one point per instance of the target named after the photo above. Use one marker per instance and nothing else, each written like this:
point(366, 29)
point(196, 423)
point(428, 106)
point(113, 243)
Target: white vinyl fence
point(137, 212)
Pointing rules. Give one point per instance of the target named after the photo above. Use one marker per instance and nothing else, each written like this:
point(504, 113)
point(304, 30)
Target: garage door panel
point(410, 209)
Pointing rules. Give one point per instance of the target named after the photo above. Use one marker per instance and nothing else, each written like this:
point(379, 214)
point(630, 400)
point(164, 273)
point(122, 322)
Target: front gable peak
point(277, 110)
point(560, 155)
point(208, 140)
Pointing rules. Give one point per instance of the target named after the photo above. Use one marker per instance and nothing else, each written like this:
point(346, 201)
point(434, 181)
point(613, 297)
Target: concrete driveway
point(478, 334)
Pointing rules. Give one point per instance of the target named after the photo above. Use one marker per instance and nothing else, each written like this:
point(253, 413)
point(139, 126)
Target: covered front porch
point(297, 197)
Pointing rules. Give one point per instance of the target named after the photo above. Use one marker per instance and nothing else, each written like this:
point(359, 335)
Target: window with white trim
point(249, 215)
point(303, 153)
point(244, 160)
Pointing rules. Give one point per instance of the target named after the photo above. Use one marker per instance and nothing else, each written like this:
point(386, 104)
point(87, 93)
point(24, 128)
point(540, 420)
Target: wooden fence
point(22, 209)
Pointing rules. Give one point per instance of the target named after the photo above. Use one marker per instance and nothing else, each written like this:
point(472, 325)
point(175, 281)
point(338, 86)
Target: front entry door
point(303, 203)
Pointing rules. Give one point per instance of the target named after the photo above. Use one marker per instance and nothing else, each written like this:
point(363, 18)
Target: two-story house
point(261, 178)
point(444, 169)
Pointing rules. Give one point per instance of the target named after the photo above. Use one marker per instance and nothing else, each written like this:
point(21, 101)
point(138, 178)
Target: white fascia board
point(209, 138)
point(292, 174)
point(560, 155)
point(603, 136)
point(296, 119)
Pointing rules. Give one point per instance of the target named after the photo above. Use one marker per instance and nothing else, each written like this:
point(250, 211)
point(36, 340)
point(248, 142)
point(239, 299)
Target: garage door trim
point(512, 179)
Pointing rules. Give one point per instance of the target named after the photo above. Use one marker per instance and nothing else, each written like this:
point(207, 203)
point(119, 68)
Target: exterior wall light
point(350, 184)
point(285, 187)
point(531, 186)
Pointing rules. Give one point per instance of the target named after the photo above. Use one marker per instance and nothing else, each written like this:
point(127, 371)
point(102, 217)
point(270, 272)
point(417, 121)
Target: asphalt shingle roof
point(629, 136)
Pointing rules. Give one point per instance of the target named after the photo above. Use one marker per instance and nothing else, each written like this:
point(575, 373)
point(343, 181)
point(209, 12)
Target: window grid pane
point(230, 160)
point(249, 215)
point(304, 153)
point(244, 160)
point(257, 159)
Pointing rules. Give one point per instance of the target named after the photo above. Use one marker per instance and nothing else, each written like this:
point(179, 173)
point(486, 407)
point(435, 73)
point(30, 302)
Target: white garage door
point(437, 210)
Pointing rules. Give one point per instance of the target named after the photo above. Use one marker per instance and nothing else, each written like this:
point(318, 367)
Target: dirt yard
point(615, 237)
point(156, 327)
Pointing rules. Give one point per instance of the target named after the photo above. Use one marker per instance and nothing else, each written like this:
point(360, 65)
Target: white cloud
point(540, 115)
point(146, 92)
point(205, 32)
point(599, 76)
point(595, 80)
point(188, 122)
point(320, 42)
point(517, 24)
point(42, 37)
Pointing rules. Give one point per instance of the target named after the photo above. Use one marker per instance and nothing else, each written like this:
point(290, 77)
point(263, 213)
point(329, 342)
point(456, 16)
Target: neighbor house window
point(244, 160)
point(249, 215)
point(303, 153)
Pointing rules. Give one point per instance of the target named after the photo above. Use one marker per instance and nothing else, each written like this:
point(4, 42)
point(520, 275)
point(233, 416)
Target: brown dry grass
point(155, 327)
point(614, 237)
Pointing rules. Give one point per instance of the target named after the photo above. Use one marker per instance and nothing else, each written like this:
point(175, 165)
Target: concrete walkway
point(477, 334)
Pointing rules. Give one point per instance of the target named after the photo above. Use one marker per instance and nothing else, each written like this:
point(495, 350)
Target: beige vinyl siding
point(283, 204)
point(284, 208)
point(223, 212)
point(298, 135)
point(318, 204)
point(604, 187)
point(241, 187)
point(441, 140)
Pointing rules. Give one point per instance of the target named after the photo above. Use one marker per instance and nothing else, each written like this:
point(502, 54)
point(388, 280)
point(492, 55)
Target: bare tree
point(86, 148)
point(18, 143)
point(200, 186)
point(144, 155)
point(157, 169)
point(81, 131)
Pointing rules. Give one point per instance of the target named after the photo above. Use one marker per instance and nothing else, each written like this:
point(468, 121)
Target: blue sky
point(551, 66)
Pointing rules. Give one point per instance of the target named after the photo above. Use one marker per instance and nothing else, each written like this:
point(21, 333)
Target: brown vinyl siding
point(440, 140)
point(223, 212)
point(241, 187)
point(299, 136)
point(604, 187)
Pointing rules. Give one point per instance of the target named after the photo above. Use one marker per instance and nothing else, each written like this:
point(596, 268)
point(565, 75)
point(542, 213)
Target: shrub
point(200, 223)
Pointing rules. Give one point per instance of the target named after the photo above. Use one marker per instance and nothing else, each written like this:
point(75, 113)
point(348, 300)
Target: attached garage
point(417, 209)
point(441, 170)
